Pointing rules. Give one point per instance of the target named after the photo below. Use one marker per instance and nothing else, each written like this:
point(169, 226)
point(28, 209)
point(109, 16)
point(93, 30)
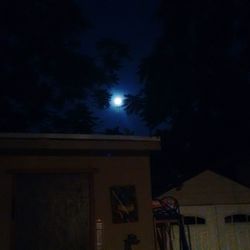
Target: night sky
point(197, 57)
point(136, 24)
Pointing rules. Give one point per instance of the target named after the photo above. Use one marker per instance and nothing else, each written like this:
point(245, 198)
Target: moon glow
point(117, 101)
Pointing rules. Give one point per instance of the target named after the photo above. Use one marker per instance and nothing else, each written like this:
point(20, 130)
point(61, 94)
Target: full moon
point(117, 101)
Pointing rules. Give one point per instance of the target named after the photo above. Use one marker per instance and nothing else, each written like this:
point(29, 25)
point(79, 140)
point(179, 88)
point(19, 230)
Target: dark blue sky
point(133, 22)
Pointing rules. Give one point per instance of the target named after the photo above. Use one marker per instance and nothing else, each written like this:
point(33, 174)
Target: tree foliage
point(197, 77)
point(46, 77)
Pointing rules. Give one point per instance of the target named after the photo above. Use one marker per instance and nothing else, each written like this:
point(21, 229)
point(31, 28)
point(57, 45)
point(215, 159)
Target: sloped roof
point(208, 188)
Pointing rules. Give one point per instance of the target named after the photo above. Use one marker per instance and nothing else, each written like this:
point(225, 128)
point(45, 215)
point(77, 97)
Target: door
point(234, 226)
point(226, 227)
point(52, 211)
point(201, 232)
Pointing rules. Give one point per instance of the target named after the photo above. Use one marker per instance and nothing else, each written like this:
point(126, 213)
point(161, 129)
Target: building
point(216, 212)
point(61, 191)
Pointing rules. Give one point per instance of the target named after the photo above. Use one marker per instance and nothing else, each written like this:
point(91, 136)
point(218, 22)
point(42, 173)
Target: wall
point(5, 210)
point(212, 196)
point(122, 172)
point(107, 171)
point(215, 234)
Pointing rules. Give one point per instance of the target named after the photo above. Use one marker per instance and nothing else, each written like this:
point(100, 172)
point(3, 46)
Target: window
point(193, 220)
point(237, 218)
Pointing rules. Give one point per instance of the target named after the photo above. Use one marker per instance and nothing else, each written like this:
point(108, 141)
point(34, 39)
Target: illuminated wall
point(106, 171)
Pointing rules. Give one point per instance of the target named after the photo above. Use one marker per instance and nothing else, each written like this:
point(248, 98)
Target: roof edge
point(61, 136)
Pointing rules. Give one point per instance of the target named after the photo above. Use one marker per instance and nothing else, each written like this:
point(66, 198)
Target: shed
point(68, 191)
point(216, 212)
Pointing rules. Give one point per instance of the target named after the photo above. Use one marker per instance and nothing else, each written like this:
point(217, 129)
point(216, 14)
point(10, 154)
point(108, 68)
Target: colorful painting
point(124, 204)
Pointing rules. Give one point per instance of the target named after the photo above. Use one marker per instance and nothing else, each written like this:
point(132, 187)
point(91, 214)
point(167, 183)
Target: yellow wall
point(108, 171)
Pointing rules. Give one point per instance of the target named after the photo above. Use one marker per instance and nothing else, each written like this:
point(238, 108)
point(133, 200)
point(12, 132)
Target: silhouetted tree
point(119, 131)
point(197, 80)
point(46, 77)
